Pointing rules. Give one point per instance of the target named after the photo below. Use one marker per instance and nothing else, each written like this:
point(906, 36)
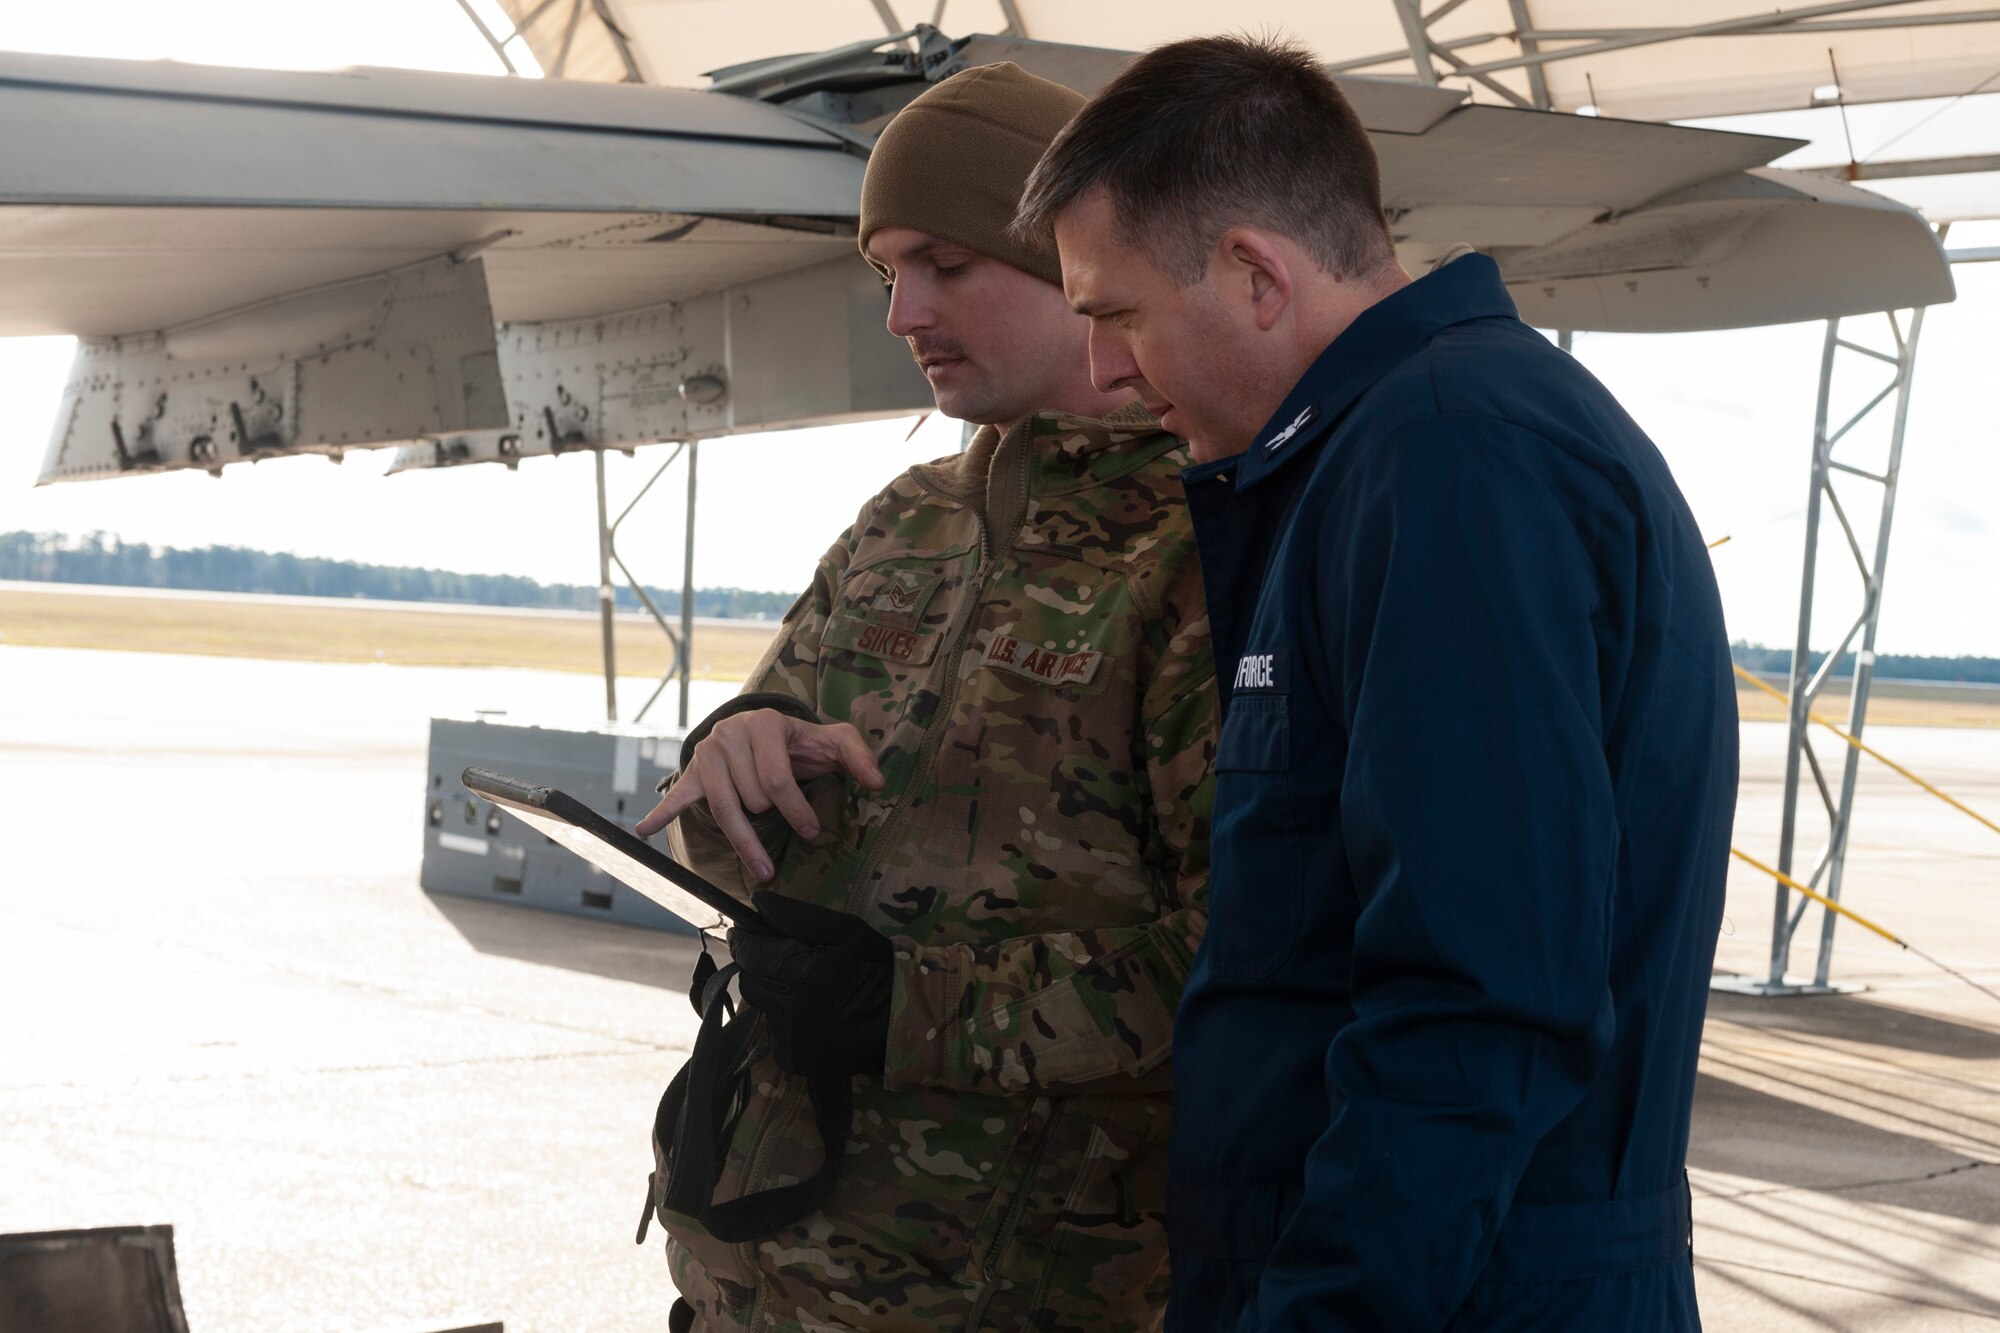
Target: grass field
point(1890, 704)
point(338, 630)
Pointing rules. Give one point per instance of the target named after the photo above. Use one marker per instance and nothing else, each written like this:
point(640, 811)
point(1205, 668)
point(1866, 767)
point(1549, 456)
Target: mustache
point(935, 347)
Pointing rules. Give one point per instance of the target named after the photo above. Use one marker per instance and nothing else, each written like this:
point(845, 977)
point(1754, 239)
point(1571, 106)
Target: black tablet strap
point(698, 1113)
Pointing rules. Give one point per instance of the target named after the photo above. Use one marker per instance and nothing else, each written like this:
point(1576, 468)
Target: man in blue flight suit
point(1435, 1061)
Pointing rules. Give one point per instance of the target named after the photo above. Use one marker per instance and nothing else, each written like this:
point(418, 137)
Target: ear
point(1260, 274)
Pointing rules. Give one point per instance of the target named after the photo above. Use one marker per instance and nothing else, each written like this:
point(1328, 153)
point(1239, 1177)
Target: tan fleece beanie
point(953, 163)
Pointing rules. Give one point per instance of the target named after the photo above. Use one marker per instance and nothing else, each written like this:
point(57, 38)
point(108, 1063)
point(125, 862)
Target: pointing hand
point(755, 760)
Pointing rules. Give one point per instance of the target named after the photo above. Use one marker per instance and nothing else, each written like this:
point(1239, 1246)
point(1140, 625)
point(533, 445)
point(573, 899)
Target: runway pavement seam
point(1816, 1237)
point(1711, 1193)
point(1847, 1286)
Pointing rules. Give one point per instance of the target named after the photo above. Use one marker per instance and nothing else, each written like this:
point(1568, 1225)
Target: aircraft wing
point(1598, 223)
point(263, 263)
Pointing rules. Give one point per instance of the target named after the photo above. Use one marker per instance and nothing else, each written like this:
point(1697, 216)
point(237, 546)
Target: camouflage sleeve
point(789, 666)
point(1054, 1011)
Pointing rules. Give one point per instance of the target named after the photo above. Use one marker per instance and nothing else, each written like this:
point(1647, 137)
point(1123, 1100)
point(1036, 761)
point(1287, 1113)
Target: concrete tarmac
point(228, 1007)
point(1846, 1148)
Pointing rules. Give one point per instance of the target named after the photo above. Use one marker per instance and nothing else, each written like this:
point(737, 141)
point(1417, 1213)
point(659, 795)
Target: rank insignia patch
point(902, 596)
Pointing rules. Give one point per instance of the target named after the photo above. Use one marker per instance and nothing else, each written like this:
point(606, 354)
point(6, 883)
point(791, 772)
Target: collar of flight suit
point(1380, 338)
point(1064, 453)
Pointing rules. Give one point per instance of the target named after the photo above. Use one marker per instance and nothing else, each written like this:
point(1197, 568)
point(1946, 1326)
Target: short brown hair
point(1199, 136)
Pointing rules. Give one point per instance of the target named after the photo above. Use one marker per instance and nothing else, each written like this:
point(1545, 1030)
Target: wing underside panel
point(405, 353)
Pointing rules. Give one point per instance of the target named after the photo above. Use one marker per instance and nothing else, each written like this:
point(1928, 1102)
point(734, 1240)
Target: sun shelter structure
point(1639, 61)
point(480, 270)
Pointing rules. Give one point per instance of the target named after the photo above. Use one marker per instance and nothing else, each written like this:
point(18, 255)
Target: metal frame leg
point(606, 597)
point(681, 641)
point(684, 658)
point(1829, 869)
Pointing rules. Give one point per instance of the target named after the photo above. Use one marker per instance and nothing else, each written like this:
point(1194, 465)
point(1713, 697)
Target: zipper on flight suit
point(990, 555)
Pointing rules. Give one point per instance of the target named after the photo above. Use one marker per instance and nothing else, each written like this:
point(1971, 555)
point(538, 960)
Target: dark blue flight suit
point(1474, 787)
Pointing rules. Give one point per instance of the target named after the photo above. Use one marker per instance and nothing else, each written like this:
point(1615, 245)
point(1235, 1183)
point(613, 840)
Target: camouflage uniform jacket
point(1018, 632)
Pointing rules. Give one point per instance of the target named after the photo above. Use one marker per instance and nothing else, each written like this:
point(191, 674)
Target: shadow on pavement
point(1741, 1131)
point(1856, 1018)
point(601, 948)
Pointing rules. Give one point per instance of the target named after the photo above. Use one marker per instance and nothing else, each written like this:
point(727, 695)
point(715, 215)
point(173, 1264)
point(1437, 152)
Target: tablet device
point(618, 852)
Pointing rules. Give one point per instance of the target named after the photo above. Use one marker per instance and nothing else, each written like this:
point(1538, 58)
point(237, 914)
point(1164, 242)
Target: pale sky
point(1732, 412)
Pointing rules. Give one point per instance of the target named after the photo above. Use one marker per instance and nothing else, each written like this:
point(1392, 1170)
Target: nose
point(908, 312)
point(1112, 365)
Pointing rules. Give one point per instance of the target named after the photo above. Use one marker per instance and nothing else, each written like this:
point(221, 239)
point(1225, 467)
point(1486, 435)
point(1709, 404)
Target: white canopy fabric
point(1644, 61)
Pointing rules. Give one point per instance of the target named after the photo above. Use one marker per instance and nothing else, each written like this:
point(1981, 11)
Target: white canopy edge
point(1638, 60)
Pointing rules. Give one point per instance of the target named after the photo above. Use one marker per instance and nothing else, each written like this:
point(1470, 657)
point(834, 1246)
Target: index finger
point(684, 794)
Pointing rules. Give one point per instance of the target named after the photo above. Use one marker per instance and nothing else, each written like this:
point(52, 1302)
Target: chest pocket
point(1258, 735)
point(883, 635)
point(1256, 895)
point(1059, 630)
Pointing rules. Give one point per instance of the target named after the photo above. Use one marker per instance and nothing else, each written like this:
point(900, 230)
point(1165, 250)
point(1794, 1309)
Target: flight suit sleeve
point(789, 667)
point(1056, 1011)
point(1470, 618)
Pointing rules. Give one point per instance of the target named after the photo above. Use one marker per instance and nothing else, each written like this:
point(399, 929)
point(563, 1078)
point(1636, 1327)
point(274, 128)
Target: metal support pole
point(1829, 870)
point(561, 67)
point(676, 641)
point(1538, 77)
point(619, 41)
point(499, 46)
point(1630, 38)
point(1415, 33)
point(1864, 661)
point(1797, 743)
point(605, 597)
point(888, 16)
point(687, 590)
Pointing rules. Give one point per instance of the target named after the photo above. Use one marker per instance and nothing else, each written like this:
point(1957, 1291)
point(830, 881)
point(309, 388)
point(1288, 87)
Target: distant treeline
point(1888, 666)
point(99, 558)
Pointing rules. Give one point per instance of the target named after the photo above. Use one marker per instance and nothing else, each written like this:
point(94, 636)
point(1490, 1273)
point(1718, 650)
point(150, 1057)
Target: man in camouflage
point(980, 742)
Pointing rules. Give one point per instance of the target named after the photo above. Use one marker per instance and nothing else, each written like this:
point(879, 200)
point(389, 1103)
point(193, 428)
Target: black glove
point(822, 983)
